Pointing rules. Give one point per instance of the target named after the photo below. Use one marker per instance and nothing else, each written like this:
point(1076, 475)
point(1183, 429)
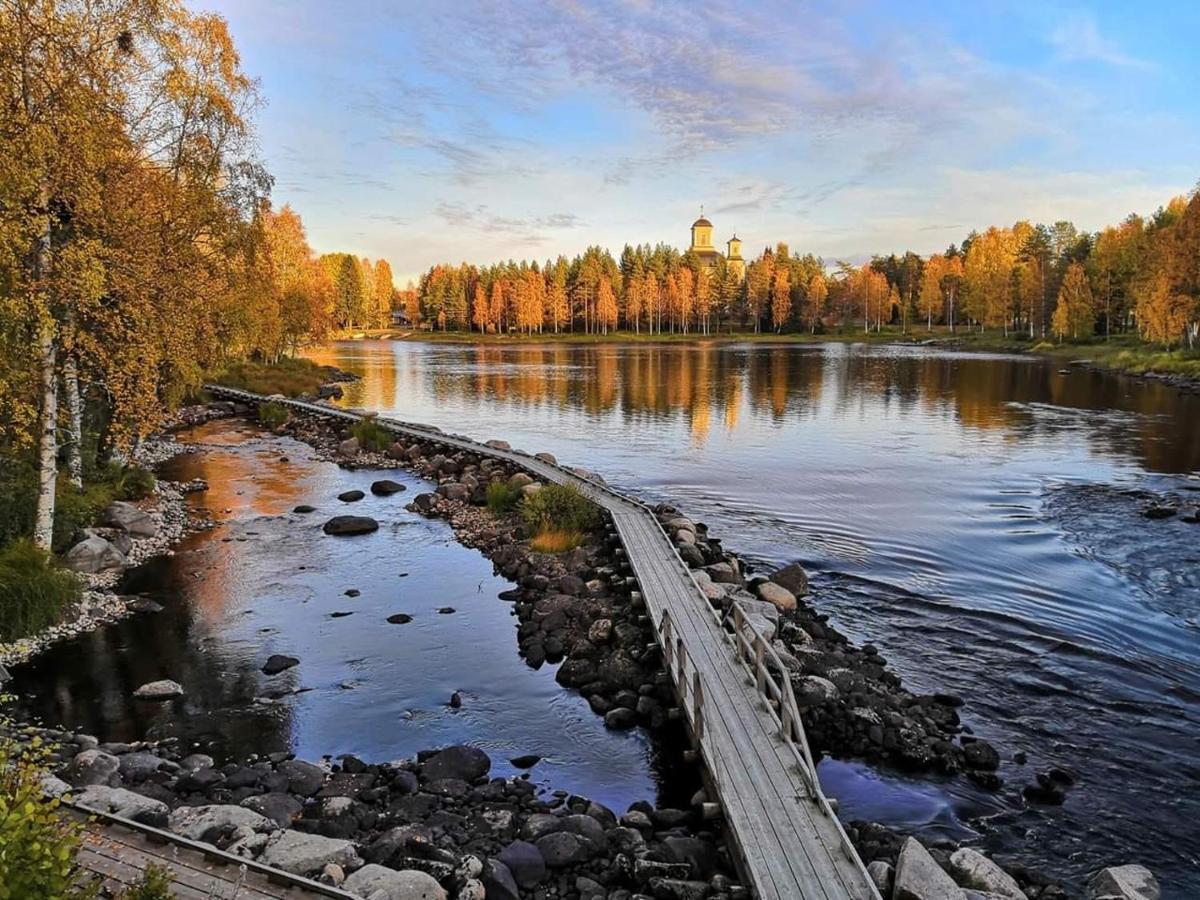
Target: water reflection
point(977, 516)
point(268, 581)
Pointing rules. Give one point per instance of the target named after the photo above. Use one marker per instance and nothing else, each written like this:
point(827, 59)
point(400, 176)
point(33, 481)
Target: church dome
point(702, 223)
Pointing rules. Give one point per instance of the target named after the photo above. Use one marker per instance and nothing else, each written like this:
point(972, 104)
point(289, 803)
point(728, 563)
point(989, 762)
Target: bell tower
point(702, 235)
point(734, 259)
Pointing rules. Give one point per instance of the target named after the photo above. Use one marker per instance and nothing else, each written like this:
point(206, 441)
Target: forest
point(1045, 281)
point(139, 250)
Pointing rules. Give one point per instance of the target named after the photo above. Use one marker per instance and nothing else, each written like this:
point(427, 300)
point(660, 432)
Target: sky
point(484, 130)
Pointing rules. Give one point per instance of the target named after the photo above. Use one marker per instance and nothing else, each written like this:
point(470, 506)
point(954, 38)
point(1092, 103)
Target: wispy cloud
point(1078, 39)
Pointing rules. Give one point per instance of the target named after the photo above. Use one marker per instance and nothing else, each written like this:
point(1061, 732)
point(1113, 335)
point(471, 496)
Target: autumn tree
point(1073, 314)
point(781, 300)
point(606, 306)
point(816, 299)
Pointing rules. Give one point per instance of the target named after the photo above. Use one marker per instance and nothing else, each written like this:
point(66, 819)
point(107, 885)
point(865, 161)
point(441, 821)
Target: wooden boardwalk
point(117, 852)
point(733, 689)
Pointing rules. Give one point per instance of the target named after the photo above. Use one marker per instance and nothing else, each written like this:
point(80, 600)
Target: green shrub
point(155, 884)
point(18, 497)
point(37, 844)
point(372, 436)
point(129, 482)
point(272, 415)
point(75, 509)
point(560, 507)
point(34, 591)
point(502, 497)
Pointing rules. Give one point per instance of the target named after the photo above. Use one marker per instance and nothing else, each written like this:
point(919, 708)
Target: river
point(976, 516)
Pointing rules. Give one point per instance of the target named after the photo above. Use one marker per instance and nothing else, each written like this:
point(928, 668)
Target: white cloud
point(1078, 39)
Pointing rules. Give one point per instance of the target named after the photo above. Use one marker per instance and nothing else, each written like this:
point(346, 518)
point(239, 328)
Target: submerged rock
point(351, 496)
point(386, 487)
point(159, 690)
point(278, 662)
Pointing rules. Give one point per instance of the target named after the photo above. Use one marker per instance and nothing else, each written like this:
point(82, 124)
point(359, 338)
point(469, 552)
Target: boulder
point(91, 767)
point(498, 882)
point(455, 491)
point(128, 518)
point(981, 755)
point(385, 487)
point(304, 778)
point(881, 874)
point(139, 766)
point(347, 525)
point(126, 804)
point(722, 573)
point(208, 823)
point(519, 481)
point(813, 690)
point(546, 458)
point(496, 444)
point(305, 854)
point(971, 869)
point(159, 690)
point(380, 883)
point(525, 862)
point(460, 761)
point(777, 595)
point(280, 808)
point(793, 578)
point(348, 447)
point(919, 877)
point(1124, 883)
point(93, 554)
point(351, 496)
point(278, 662)
point(562, 848)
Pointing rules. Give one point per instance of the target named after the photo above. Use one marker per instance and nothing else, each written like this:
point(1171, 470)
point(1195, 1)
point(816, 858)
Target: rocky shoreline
point(128, 535)
point(472, 837)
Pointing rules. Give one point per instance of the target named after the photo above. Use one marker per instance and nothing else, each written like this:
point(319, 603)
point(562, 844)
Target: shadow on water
point(266, 580)
point(976, 516)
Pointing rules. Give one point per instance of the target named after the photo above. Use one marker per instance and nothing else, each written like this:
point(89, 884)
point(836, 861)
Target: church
point(702, 246)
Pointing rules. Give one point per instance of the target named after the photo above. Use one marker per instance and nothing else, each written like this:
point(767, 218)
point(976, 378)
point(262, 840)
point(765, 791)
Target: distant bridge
point(732, 687)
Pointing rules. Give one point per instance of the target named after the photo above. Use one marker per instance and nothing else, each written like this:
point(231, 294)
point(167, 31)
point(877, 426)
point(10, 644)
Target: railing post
point(760, 671)
point(697, 707)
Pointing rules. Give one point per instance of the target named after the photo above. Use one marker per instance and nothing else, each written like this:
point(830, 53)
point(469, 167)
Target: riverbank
point(128, 535)
point(1122, 354)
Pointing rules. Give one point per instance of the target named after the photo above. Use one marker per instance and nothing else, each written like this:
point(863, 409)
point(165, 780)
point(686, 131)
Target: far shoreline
point(1120, 355)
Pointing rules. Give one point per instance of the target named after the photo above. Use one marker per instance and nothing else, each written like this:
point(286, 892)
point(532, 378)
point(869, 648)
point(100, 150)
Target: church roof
point(702, 223)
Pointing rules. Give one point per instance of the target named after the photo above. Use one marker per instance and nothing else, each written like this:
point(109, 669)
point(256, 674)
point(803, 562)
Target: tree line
point(138, 246)
point(1141, 276)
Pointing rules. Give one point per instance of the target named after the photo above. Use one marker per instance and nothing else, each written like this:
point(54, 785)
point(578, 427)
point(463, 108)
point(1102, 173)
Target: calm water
point(268, 581)
point(976, 516)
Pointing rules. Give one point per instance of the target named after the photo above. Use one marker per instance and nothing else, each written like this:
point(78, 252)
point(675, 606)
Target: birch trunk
point(74, 422)
point(43, 530)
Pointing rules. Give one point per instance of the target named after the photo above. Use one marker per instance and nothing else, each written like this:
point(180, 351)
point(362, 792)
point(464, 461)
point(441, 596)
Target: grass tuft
point(372, 436)
point(556, 541)
point(502, 497)
point(560, 507)
point(272, 415)
point(34, 591)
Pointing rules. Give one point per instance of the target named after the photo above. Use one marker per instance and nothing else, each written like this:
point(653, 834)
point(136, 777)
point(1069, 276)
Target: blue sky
point(482, 131)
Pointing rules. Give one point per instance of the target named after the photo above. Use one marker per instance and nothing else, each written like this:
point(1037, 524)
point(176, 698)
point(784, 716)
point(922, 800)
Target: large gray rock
point(792, 577)
point(124, 803)
point(93, 554)
point(919, 877)
point(723, 573)
point(159, 690)
point(280, 808)
point(498, 882)
point(91, 767)
point(454, 491)
point(777, 595)
point(305, 854)
point(972, 869)
point(128, 518)
point(303, 777)
point(562, 848)
point(525, 862)
point(375, 882)
point(206, 823)
point(139, 766)
point(881, 874)
point(1124, 883)
point(460, 761)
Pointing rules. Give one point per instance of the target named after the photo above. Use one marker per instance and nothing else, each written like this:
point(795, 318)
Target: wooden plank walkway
point(733, 690)
point(118, 851)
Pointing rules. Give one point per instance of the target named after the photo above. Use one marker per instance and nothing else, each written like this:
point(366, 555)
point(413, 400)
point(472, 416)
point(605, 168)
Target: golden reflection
point(706, 382)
